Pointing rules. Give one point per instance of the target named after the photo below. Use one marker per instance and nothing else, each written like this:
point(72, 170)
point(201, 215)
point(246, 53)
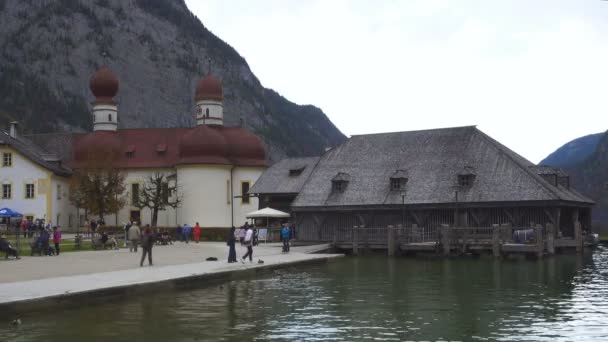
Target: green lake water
point(563, 298)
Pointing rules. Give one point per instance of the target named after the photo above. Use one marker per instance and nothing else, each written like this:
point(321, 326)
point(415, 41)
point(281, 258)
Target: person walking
point(196, 232)
point(248, 241)
point(147, 242)
point(187, 231)
point(231, 244)
point(57, 238)
point(126, 228)
point(24, 227)
point(180, 233)
point(134, 237)
point(285, 235)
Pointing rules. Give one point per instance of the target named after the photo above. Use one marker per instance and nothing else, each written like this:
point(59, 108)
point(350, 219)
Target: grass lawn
point(65, 246)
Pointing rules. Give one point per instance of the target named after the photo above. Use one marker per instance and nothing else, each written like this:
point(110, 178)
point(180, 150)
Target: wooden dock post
point(445, 239)
point(354, 236)
point(496, 240)
point(391, 241)
point(550, 239)
point(540, 241)
point(578, 236)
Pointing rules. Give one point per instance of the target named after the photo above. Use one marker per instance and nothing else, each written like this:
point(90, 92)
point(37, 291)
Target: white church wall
point(206, 195)
point(241, 208)
point(64, 213)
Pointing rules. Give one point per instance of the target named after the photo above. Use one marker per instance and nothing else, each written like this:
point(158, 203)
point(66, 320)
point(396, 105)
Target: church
point(212, 166)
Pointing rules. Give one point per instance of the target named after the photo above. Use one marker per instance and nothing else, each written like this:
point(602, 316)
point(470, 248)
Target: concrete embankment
point(27, 291)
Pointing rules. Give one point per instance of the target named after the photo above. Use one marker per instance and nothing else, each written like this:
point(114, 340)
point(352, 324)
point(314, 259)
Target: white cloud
point(529, 73)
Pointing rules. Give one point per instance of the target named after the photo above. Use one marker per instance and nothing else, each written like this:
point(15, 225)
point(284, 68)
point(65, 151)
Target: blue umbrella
point(6, 212)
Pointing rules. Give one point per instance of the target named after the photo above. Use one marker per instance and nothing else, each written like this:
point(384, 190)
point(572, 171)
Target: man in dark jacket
point(147, 241)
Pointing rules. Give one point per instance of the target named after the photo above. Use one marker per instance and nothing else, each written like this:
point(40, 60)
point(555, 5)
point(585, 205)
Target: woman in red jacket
point(196, 232)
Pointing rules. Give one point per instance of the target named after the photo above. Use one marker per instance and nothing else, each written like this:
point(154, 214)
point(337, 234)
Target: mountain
point(586, 161)
point(573, 152)
point(159, 50)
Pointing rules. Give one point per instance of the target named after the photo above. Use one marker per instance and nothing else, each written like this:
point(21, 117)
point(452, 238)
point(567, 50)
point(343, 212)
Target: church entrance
point(135, 216)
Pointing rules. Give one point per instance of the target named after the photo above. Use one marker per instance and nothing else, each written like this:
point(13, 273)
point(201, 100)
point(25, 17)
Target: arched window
point(110, 117)
point(207, 112)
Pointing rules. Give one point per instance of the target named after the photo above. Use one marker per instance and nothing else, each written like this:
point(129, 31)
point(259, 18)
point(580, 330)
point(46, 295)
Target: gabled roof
point(433, 158)
point(35, 153)
point(277, 179)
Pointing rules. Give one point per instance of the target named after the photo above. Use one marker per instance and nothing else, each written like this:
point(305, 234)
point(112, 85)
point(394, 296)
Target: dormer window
point(466, 177)
point(339, 182)
point(161, 148)
point(130, 152)
point(399, 180)
point(296, 172)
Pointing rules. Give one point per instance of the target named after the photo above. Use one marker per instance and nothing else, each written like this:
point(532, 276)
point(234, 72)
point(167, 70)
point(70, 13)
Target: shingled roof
point(433, 160)
point(35, 153)
point(285, 177)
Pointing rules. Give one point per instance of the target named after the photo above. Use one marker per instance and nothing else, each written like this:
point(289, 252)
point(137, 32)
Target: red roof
point(168, 147)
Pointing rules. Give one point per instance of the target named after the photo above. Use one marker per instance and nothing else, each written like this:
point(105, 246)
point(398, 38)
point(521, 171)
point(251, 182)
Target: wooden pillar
point(550, 237)
point(355, 242)
point(496, 240)
point(335, 239)
point(578, 236)
point(445, 239)
point(540, 241)
point(558, 222)
point(506, 232)
point(391, 241)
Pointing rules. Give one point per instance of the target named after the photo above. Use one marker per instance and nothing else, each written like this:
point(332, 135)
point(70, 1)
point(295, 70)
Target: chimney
point(13, 129)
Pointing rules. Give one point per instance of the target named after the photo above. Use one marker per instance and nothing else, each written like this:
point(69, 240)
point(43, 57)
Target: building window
point(58, 191)
point(165, 193)
point(135, 193)
point(29, 191)
point(244, 192)
point(207, 112)
point(7, 191)
point(129, 154)
point(296, 172)
point(338, 186)
point(7, 159)
point(466, 180)
point(110, 117)
point(398, 184)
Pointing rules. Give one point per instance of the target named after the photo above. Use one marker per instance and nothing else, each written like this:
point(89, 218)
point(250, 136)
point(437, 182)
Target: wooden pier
point(498, 240)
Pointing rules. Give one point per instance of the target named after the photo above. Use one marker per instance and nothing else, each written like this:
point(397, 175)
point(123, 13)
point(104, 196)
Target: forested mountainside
point(159, 50)
point(586, 161)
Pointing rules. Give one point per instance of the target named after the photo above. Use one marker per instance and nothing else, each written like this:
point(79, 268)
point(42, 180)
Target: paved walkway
point(74, 272)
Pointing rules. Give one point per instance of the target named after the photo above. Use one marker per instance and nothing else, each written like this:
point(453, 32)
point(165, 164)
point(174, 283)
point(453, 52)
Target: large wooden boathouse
point(424, 180)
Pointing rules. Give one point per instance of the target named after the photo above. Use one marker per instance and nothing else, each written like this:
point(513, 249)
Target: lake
point(561, 298)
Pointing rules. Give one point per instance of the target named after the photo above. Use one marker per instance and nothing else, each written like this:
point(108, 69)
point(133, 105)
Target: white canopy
point(267, 212)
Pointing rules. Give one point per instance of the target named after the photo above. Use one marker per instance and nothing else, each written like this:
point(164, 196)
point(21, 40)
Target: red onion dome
point(209, 88)
point(246, 149)
point(98, 144)
point(203, 145)
point(104, 85)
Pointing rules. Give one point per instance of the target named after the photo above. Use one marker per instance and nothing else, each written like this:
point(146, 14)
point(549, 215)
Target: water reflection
point(360, 299)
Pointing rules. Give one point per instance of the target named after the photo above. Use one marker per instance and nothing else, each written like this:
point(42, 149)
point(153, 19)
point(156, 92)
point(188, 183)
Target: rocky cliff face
point(159, 50)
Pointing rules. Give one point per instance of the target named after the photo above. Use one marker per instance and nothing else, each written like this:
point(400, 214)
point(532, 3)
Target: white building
point(212, 165)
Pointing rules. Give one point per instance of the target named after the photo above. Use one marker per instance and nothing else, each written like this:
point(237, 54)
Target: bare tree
point(158, 194)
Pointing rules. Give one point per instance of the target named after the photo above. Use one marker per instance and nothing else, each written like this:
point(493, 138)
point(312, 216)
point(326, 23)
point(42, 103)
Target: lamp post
point(403, 208)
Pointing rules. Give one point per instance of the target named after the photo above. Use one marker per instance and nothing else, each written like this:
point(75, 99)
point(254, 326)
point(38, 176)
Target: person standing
point(197, 232)
point(179, 232)
point(93, 228)
point(24, 227)
point(134, 237)
point(126, 228)
point(57, 238)
point(147, 242)
point(187, 230)
point(285, 235)
point(231, 244)
point(248, 241)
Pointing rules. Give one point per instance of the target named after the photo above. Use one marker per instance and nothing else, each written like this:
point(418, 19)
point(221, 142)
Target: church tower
point(209, 101)
point(104, 85)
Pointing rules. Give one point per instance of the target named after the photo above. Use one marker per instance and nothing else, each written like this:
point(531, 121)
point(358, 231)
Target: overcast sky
point(532, 74)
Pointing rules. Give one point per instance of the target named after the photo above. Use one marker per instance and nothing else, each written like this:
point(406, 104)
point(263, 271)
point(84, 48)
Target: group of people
point(246, 239)
point(186, 233)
